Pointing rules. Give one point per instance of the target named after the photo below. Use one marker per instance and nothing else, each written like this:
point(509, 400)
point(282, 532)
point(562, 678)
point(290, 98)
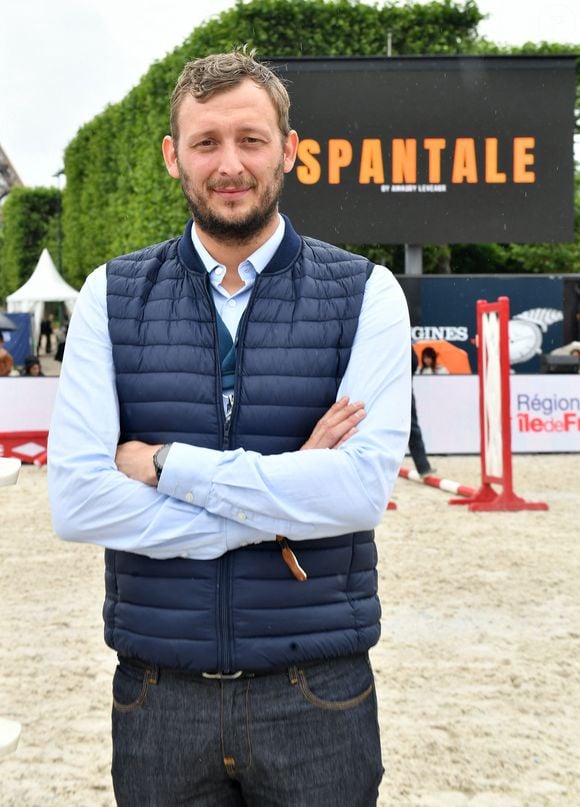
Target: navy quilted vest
point(243, 610)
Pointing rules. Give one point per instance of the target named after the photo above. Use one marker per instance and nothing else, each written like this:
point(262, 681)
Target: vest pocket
point(131, 683)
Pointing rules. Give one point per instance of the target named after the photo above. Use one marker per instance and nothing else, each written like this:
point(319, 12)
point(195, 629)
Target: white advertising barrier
point(545, 411)
point(26, 403)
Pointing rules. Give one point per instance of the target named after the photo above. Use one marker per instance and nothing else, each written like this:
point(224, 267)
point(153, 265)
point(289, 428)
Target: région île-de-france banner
point(432, 149)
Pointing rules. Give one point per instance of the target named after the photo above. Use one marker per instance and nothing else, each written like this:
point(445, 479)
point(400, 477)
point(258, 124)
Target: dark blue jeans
point(306, 737)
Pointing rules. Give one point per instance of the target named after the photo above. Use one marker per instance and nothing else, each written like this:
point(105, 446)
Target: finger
point(346, 437)
point(335, 423)
point(340, 429)
point(329, 437)
point(335, 417)
point(333, 412)
point(351, 415)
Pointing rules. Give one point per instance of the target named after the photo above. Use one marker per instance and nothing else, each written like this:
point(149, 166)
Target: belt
point(216, 675)
point(222, 676)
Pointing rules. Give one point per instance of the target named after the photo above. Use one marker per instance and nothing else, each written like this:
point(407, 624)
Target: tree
point(30, 224)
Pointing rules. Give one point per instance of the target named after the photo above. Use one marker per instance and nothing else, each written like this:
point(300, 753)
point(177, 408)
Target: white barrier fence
point(545, 411)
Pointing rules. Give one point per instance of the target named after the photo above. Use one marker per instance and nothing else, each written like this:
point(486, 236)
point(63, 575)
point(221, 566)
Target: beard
point(234, 230)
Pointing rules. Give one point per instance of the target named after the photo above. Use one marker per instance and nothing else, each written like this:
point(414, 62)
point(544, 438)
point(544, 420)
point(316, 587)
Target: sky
point(63, 61)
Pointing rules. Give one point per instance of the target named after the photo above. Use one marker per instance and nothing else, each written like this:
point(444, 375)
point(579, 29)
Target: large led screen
point(432, 150)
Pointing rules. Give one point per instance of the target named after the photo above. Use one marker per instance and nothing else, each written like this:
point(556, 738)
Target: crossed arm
point(335, 427)
point(208, 502)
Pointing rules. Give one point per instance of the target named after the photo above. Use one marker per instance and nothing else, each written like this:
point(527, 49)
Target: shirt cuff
point(187, 475)
point(188, 472)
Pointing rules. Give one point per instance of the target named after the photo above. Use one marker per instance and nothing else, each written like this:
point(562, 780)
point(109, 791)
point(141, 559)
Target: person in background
point(60, 341)
point(6, 360)
point(416, 443)
point(430, 363)
point(250, 417)
point(32, 366)
point(46, 331)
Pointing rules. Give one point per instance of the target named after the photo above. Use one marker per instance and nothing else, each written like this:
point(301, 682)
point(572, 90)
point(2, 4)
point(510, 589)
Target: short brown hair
point(203, 77)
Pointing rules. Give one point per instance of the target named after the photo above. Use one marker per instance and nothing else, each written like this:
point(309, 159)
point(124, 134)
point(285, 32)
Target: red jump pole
point(438, 482)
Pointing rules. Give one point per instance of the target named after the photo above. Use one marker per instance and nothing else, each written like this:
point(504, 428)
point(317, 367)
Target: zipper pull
point(290, 559)
point(229, 399)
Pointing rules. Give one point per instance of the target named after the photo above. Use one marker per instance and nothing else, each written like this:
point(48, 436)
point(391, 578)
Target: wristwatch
point(159, 459)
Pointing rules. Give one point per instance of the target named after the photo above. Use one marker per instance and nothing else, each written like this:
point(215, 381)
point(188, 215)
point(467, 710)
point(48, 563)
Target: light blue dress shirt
point(208, 502)
point(230, 307)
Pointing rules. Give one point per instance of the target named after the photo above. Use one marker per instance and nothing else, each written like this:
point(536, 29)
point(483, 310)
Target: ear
point(290, 148)
point(170, 156)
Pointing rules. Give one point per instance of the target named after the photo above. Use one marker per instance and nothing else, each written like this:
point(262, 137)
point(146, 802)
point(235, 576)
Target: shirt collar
point(258, 259)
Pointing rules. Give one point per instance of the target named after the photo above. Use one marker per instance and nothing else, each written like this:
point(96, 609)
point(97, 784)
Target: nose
point(230, 163)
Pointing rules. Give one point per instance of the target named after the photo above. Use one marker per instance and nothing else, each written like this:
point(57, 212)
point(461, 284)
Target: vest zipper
point(239, 339)
point(219, 393)
point(228, 418)
point(224, 615)
point(224, 591)
point(224, 600)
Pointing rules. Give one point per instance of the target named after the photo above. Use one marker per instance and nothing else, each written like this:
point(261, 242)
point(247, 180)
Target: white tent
point(45, 285)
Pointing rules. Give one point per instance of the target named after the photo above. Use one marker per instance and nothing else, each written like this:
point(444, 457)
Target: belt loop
point(153, 674)
point(293, 675)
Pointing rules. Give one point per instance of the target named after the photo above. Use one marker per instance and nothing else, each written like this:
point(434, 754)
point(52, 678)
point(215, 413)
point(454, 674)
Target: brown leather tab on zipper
point(290, 559)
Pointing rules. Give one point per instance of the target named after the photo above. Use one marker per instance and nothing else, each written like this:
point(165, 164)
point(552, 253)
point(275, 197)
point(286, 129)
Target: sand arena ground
point(478, 667)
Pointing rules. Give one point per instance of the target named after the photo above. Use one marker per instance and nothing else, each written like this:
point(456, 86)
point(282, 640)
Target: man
point(46, 331)
point(204, 382)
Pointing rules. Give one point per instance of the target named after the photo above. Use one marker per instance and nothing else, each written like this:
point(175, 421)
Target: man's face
point(231, 159)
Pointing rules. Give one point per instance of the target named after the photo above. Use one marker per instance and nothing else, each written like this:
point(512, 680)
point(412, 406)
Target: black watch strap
point(159, 459)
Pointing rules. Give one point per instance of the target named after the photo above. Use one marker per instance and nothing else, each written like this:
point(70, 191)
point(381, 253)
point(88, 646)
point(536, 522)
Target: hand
point(337, 425)
point(135, 460)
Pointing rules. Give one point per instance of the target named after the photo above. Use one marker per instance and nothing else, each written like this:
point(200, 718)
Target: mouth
point(232, 190)
point(231, 194)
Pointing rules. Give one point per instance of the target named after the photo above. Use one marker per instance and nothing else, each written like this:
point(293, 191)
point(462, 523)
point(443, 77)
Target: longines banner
point(432, 150)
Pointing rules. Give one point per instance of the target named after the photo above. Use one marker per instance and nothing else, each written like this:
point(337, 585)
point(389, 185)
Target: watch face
point(525, 340)
point(159, 458)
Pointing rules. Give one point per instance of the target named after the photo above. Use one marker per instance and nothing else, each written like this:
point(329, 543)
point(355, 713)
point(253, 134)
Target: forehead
point(242, 105)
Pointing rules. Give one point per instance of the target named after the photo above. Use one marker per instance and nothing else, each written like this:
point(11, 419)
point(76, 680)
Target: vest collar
point(283, 257)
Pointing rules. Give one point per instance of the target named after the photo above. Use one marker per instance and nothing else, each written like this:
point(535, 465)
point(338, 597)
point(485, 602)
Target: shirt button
point(189, 496)
point(242, 516)
point(219, 271)
point(232, 303)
